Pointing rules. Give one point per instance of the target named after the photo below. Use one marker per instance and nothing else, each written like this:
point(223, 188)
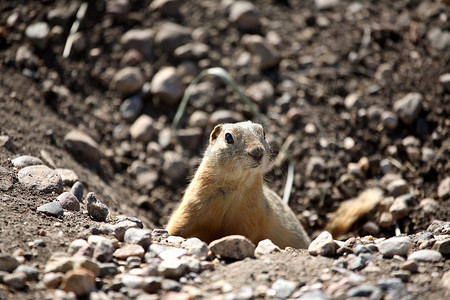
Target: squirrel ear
point(215, 133)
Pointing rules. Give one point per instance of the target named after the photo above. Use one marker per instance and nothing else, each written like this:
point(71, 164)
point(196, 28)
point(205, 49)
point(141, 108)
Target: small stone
point(444, 80)
point(68, 176)
point(131, 107)
point(173, 268)
point(265, 56)
point(129, 250)
point(427, 155)
point(354, 101)
point(190, 137)
point(397, 187)
point(68, 201)
point(196, 248)
point(80, 281)
point(174, 167)
point(118, 8)
point(30, 272)
point(8, 263)
point(103, 250)
point(323, 245)
point(389, 120)
point(53, 209)
point(198, 119)
point(40, 178)
point(121, 227)
point(395, 246)
point(315, 167)
point(224, 116)
point(399, 209)
point(108, 269)
point(170, 8)
point(82, 145)
point(445, 281)
point(384, 73)
point(315, 294)
point(96, 209)
point(191, 51)
point(439, 39)
point(15, 280)
point(142, 129)
point(371, 228)
point(53, 280)
point(410, 265)
point(283, 288)
point(386, 220)
point(171, 36)
point(25, 161)
point(261, 93)
point(128, 81)
point(245, 15)
point(357, 263)
point(76, 245)
point(7, 142)
point(77, 190)
point(444, 189)
point(139, 236)
point(363, 290)
point(426, 256)
point(409, 107)
point(172, 253)
point(140, 40)
point(38, 34)
point(132, 58)
point(443, 246)
point(234, 246)
point(167, 86)
point(265, 247)
point(393, 288)
point(326, 4)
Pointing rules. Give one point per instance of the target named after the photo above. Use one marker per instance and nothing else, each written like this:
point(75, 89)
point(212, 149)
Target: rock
point(140, 40)
point(30, 272)
point(7, 142)
point(77, 190)
point(397, 187)
point(58, 262)
point(399, 209)
point(315, 294)
point(371, 228)
point(53, 280)
point(8, 263)
point(171, 36)
point(196, 248)
point(131, 107)
point(262, 93)
point(386, 220)
point(128, 81)
point(326, 4)
point(68, 201)
point(191, 51)
point(121, 227)
point(25, 161)
point(395, 246)
point(384, 73)
point(439, 39)
point(108, 269)
point(363, 290)
point(174, 167)
point(170, 8)
point(389, 120)
point(53, 209)
point(103, 250)
point(6, 179)
point(38, 34)
point(76, 245)
point(442, 246)
point(445, 281)
point(265, 247)
point(190, 137)
point(80, 281)
point(245, 15)
point(224, 116)
point(172, 253)
point(323, 245)
point(408, 108)
point(16, 280)
point(198, 119)
point(139, 236)
point(410, 265)
point(426, 256)
point(444, 189)
point(62, 15)
point(265, 56)
point(393, 288)
point(68, 176)
point(283, 288)
point(82, 145)
point(40, 178)
point(315, 167)
point(151, 284)
point(79, 44)
point(96, 209)
point(173, 268)
point(132, 58)
point(234, 246)
point(129, 250)
point(354, 101)
point(444, 80)
point(167, 86)
point(142, 129)
point(118, 8)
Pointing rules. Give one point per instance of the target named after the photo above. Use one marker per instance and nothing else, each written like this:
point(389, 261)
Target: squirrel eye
point(229, 138)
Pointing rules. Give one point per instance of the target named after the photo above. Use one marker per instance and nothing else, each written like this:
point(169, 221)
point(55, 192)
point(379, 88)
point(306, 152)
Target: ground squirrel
point(228, 195)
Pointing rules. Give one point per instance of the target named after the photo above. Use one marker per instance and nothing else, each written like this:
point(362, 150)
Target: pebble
point(140, 40)
point(443, 191)
point(77, 190)
point(410, 265)
point(7, 142)
point(426, 255)
point(386, 220)
point(283, 288)
point(266, 247)
point(363, 290)
point(190, 137)
point(395, 246)
point(371, 228)
point(167, 86)
point(118, 8)
point(316, 294)
point(315, 167)
point(354, 101)
point(68, 201)
point(173, 268)
point(169, 8)
point(445, 281)
point(265, 56)
point(103, 250)
point(191, 51)
point(129, 250)
point(30, 272)
point(121, 227)
point(198, 119)
point(131, 107)
point(76, 245)
point(326, 4)
point(80, 281)
point(96, 209)
point(107, 269)
point(53, 209)
point(38, 34)
point(83, 146)
point(389, 120)
point(224, 116)
point(261, 93)
point(399, 209)
point(443, 246)
point(245, 15)
point(139, 236)
point(234, 246)
point(40, 178)
point(323, 245)
point(409, 107)
point(171, 36)
point(439, 39)
point(68, 176)
point(143, 129)
point(53, 280)
point(174, 167)
point(132, 58)
point(15, 280)
point(444, 80)
point(171, 253)
point(397, 187)
point(8, 263)
point(25, 161)
point(196, 248)
point(127, 81)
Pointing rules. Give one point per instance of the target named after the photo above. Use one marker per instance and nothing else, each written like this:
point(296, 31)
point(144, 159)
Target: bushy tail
point(352, 210)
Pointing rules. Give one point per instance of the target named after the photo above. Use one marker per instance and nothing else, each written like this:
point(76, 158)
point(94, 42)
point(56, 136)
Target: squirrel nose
point(257, 153)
